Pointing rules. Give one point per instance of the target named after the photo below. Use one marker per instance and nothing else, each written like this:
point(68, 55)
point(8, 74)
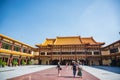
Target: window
point(96, 53)
point(16, 48)
point(114, 50)
point(6, 46)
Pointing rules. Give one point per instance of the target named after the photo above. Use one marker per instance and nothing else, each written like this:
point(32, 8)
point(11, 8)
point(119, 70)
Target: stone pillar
point(92, 52)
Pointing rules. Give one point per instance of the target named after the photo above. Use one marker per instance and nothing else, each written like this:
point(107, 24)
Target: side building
point(13, 52)
point(111, 54)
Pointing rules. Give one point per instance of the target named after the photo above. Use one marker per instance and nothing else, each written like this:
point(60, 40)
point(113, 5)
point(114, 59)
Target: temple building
point(67, 49)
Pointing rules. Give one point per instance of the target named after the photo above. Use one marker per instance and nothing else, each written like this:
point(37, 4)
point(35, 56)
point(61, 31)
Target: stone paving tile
point(51, 74)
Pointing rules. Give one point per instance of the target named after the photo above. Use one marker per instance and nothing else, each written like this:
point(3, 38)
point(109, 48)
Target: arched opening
point(55, 62)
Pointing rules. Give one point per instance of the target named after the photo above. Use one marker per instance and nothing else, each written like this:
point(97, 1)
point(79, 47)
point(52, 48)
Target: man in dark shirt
point(74, 68)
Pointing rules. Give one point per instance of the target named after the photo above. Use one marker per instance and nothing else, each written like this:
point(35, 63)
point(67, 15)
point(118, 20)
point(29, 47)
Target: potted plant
point(15, 63)
point(29, 62)
point(23, 62)
point(0, 62)
point(4, 64)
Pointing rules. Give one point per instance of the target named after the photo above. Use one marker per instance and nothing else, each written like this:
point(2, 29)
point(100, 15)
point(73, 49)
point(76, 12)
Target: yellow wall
point(45, 60)
point(36, 53)
point(105, 52)
point(95, 62)
point(106, 62)
point(35, 61)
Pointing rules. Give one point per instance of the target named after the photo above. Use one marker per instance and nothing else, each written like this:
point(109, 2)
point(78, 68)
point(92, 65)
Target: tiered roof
point(67, 40)
point(71, 40)
point(48, 42)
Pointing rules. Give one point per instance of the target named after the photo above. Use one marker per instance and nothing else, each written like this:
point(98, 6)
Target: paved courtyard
point(45, 72)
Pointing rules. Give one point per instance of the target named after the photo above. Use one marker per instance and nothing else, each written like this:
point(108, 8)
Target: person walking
point(79, 70)
point(74, 68)
point(59, 68)
point(67, 65)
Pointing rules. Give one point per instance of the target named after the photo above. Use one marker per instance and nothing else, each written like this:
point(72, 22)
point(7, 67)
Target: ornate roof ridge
point(67, 37)
point(50, 39)
point(87, 37)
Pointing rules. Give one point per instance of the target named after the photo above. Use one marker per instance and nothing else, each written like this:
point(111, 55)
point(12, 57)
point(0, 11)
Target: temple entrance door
point(83, 62)
point(39, 61)
point(66, 61)
point(55, 62)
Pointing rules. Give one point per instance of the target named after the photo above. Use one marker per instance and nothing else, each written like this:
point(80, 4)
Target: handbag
point(60, 68)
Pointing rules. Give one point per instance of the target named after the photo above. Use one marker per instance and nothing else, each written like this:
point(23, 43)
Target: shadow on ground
point(109, 68)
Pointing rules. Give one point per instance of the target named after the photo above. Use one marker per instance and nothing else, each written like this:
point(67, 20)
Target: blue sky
point(32, 21)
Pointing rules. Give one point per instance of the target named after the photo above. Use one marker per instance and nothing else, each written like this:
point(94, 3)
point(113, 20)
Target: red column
point(60, 53)
point(1, 42)
point(26, 60)
point(51, 53)
point(27, 50)
point(21, 48)
point(13, 46)
point(10, 60)
point(75, 54)
point(19, 61)
point(39, 59)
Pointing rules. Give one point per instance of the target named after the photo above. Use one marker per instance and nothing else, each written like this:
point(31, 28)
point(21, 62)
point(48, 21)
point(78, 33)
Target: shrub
point(0, 62)
point(15, 62)
point(4, 63)
point(23, 62)
point(29, 62)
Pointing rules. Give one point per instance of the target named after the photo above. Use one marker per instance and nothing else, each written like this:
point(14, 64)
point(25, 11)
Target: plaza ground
point(49, 72)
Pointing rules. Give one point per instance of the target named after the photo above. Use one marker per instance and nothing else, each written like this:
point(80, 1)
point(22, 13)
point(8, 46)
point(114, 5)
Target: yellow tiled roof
point(72, 40)
point(48, 42)
point(88, 40)
point(15, 52)
point(67, 40)
point(10, 39)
